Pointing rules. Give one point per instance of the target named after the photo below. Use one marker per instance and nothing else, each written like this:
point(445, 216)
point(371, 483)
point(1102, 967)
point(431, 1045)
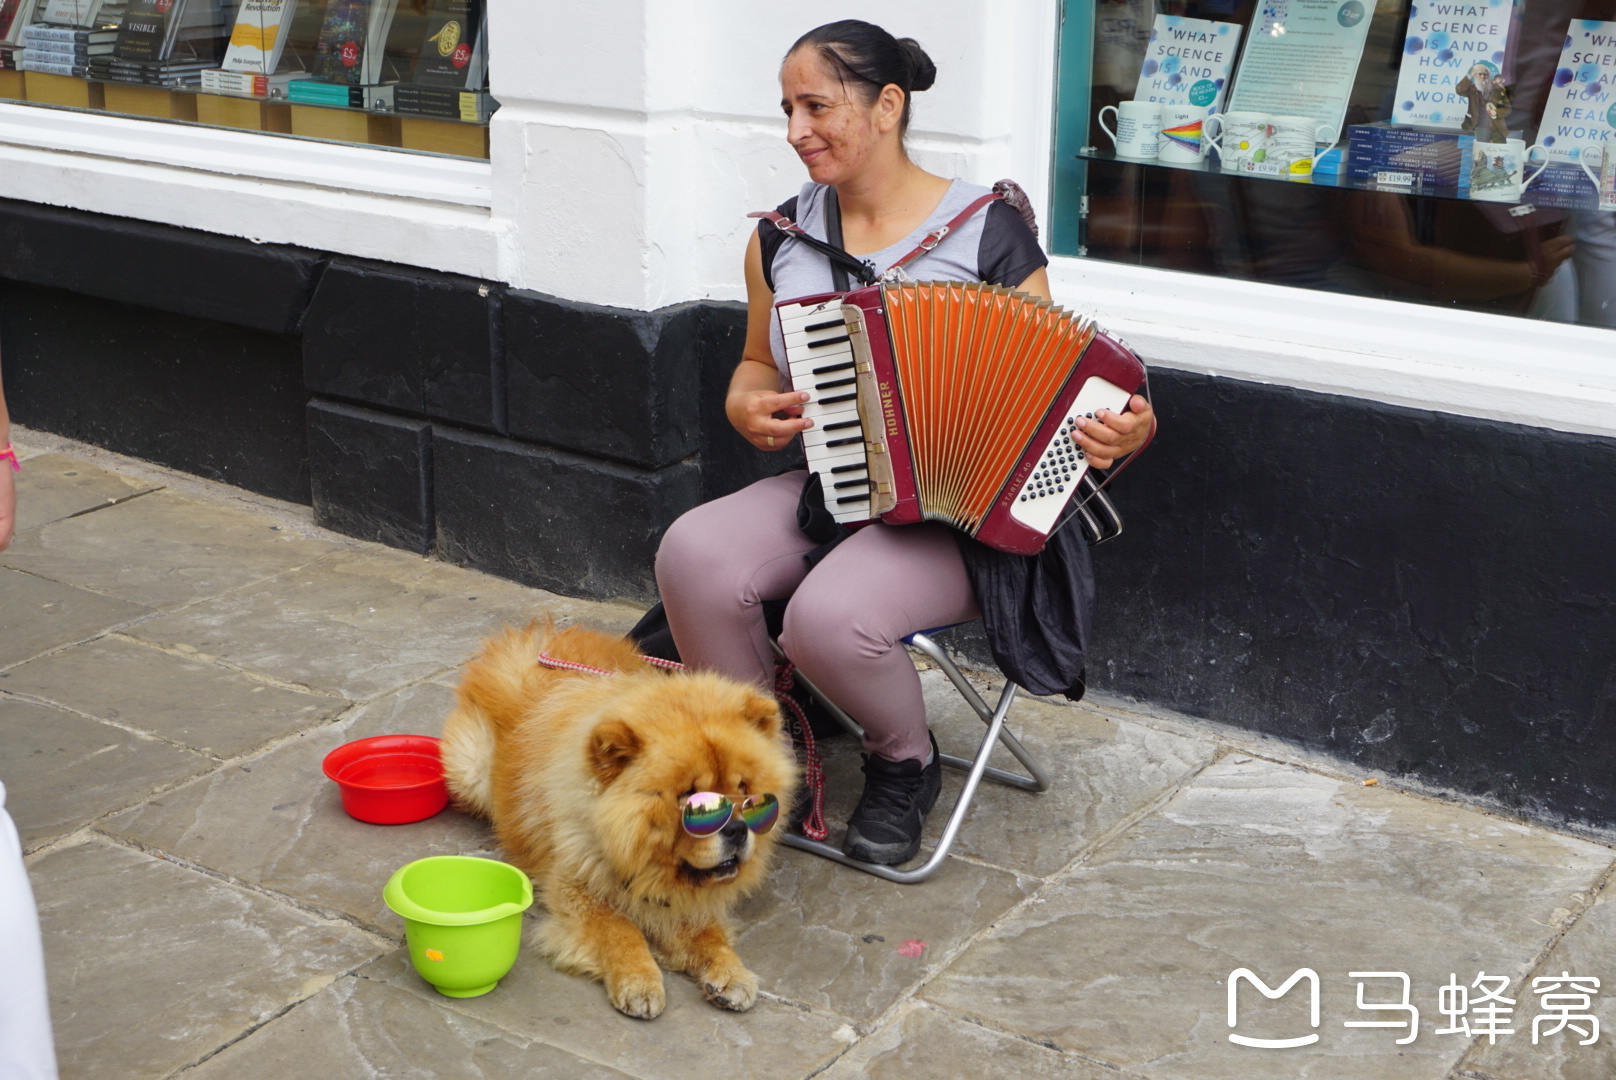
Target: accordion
point(951, 401)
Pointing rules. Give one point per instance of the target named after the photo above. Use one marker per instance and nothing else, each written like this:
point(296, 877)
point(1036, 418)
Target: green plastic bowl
point(462, 918)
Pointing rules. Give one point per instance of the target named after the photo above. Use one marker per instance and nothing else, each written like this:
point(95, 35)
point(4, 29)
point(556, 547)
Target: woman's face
point(833, 131)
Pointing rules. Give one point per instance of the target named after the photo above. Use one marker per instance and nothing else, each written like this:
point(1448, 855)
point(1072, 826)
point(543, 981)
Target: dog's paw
point(640, 996)
point(732, 988)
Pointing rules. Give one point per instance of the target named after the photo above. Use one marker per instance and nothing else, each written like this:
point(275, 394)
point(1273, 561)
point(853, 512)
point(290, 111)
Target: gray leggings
point(846, 619)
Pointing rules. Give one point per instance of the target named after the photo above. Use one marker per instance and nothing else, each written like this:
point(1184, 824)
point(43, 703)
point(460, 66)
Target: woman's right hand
point(767, 419)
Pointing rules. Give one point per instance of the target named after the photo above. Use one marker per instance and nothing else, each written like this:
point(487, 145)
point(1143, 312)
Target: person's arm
point(768, 419)
point(8, 488)
point(1110, 435)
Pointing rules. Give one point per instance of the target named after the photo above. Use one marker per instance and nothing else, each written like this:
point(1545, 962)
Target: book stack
point(1563, 184)
point(315, 92)
point(64, 50)
point(442, 102)
point(163, 43)
point(1397, 155)
point(243, 84)
point(451, 68)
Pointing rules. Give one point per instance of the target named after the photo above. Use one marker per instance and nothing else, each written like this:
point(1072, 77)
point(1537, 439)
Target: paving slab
point(1272, 868)
point(1102, 771)
point(691, 1040)
point(63, 771)
point(153, 966)
point(213, 709)
point(923, 1041)
point(276, 821)
point(362, 1029)
point(164, 550)
point(362, 622)
point(837, 939)
point(1588, 949)
point(57, 486)
point(38, 615)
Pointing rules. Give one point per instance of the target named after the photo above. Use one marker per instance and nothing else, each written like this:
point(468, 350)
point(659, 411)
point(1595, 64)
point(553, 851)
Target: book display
point(402, 73)
point(1446, 151)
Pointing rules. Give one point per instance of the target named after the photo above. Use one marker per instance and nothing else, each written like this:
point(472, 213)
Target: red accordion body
point(951, 401)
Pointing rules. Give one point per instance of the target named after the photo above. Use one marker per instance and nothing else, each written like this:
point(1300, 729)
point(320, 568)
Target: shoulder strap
point(833, 233)
point(855, 266)
point(932, 239)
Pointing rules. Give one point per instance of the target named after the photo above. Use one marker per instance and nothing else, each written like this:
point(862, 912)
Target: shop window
point(410, 74)
point(1451, 152)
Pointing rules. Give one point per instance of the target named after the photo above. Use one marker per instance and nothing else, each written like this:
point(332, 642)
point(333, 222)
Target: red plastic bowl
point(390, 779)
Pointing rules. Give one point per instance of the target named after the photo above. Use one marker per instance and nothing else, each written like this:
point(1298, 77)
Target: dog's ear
point(612, 746)
point(762, 713)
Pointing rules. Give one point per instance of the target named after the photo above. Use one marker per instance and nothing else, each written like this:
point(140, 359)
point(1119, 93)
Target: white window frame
point(420, 209)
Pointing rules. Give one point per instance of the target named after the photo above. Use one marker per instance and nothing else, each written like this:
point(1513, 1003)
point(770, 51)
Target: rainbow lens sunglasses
point(706, 812)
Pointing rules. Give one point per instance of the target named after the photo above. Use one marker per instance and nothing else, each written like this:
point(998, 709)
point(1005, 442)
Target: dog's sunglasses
point(706, 812)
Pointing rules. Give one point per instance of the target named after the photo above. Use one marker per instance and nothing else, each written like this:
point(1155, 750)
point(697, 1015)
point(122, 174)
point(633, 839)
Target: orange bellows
point(977, 367)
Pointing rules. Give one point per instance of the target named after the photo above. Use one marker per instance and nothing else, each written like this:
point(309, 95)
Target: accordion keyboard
point(819, 355)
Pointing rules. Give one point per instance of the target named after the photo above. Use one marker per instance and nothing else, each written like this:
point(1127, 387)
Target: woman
point(845, 91)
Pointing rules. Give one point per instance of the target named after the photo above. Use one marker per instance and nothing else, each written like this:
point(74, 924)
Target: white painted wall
point(635, 135)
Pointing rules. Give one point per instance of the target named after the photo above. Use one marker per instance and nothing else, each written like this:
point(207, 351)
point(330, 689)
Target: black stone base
point(210, 398)
point(372, 475)
point(1420, 593)
point(563, 522)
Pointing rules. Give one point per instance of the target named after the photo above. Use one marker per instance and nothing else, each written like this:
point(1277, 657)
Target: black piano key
point(838, 399)
point(853, 499)
point(859, 467)
point(853, 441)
point(809, 329)
point(865, 484)
point(828, 368)
point(827, 342)
point(833, 384)
point(840, 426)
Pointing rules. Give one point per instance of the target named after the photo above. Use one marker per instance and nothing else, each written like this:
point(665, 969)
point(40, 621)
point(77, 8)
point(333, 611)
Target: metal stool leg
point(975, 768)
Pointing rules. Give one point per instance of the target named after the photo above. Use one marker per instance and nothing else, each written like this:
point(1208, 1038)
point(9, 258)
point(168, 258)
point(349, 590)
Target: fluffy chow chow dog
point(606, 790)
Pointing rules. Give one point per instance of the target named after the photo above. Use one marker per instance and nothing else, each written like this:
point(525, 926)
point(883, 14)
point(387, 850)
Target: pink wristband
point(11, 452)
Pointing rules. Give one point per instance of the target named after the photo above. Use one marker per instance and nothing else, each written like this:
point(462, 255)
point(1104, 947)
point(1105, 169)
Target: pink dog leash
point(813, 826)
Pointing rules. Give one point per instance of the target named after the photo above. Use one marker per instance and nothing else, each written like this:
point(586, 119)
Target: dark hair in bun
point(868, 58)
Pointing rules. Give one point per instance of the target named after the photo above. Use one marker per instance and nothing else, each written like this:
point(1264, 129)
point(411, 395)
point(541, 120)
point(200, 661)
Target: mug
point(1138, 125)
point(1602, 174)
point(1241, 139)
point(1498, 170)
point(1294, 141)
point(1181, 134)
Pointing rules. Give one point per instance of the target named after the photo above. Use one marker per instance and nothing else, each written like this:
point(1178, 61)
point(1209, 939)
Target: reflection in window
point(1459, 153)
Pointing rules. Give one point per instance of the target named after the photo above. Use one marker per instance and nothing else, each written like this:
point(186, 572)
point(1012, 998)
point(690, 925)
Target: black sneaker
point(885, 826)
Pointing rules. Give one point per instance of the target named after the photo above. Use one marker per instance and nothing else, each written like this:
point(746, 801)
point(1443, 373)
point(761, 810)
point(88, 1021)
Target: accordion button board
point(1043, 496)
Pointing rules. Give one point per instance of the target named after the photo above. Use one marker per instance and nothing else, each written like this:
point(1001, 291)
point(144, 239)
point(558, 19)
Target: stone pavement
point(177, 656)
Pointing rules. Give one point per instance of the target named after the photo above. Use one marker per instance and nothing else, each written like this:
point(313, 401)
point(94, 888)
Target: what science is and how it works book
point(1453, 49)
point(1580, 111)
point(1187, 61)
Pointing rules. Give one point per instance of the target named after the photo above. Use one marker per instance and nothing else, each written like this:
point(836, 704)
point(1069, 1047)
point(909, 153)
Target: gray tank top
point(799, 270)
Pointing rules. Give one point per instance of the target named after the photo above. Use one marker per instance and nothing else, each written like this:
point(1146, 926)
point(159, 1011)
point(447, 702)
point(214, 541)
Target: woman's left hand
point(1112, 435)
